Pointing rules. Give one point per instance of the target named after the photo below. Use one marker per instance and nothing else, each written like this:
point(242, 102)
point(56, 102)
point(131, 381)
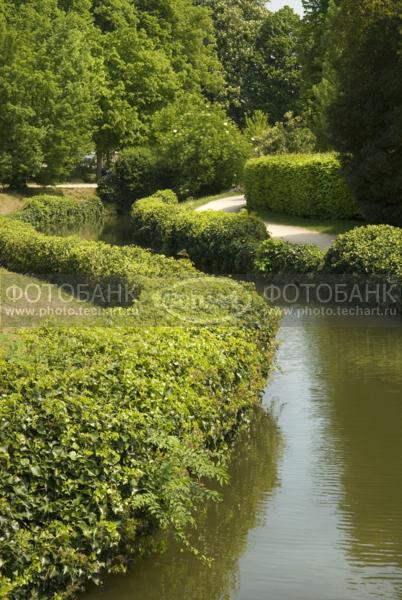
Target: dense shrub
point(370, 250)
point(279, 257)
point(57, 214)
point(108, 434)
point(285, 137)
point(24, 250)
point(199, 148)
point(134, 175)
point(214, 241)
point(302, 185)
point(166, 196)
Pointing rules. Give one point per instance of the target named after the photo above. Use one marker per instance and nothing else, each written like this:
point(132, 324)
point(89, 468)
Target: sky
point(295, 4)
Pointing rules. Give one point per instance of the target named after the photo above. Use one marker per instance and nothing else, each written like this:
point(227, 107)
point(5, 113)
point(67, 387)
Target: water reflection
point(332, 529)
point(222, 531)
point(365, 426)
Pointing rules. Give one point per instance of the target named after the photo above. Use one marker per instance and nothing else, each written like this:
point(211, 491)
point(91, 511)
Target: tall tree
point(48, 91)
point(366, 117)
point(152, 51)
point(318, 98)
point(312, 42)
point(273, 80)
point(237, 23)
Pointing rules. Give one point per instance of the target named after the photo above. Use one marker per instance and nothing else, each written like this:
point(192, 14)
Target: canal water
point(314, 508)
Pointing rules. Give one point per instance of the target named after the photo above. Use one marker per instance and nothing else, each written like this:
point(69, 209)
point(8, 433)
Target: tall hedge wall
point(215, 241)
point(301, 185)
point(57, 214)
point(108, 433)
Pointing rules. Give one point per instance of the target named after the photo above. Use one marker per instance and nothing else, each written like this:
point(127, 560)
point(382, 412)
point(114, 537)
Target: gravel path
point(289, 233)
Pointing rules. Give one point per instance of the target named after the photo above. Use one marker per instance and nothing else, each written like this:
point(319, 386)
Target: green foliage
point(322, 93)
point(151, 52)
point(134, 175)
point(237, 23)
point(312, 43)
point(166, 196)
point(214, 241)
point(302, 185)
point(107, 435)
point(57, 214)
point(24, 250)
point(48, 91)
point(274, 76)
point(286, 137)
point(79, 75)
point(278, 257)
point(199, 148)
point(369, 250)
point(366, 117)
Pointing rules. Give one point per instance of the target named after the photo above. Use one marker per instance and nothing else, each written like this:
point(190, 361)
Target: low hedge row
point(57, 214)
point(215, 241)
point(24, 250)
point(276, 257)
point(369, 250)
point(302, 185)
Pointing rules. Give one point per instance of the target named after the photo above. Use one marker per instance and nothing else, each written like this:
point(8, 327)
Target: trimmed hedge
point(215, 241)
point(276, 257)
point(109, 433)
point(56, 214)
point(24, 250)
point(369, 250)
point(302, 185)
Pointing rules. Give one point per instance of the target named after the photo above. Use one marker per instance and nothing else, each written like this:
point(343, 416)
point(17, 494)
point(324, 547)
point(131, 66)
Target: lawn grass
point(10, 202)
point(37, 302)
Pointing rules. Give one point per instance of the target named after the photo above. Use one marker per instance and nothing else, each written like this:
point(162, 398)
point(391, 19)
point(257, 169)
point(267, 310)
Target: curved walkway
point(288, 233)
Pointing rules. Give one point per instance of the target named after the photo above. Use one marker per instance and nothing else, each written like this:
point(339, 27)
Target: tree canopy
point(366, 116)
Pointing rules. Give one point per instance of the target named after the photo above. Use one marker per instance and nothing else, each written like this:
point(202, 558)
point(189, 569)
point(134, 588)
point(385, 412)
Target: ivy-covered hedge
point(57, 214)
point(369, 250)
point(276, 257)
point(215, 241)
point(302, 185)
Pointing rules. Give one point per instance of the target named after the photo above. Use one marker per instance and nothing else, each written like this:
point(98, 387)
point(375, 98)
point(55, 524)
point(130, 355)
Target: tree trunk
point(99, 165)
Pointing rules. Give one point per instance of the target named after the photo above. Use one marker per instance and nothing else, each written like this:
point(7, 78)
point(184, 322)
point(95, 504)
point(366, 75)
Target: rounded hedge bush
point(57, 214)
point(276, 257)
point(107, 435)
point(369, 250)
point(301, 185)
point(215, 241)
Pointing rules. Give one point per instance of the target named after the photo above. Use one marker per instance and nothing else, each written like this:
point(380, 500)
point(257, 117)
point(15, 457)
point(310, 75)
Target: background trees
point(366, 117)
point(48, 90)
point(273, 83)
point(236, 23)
